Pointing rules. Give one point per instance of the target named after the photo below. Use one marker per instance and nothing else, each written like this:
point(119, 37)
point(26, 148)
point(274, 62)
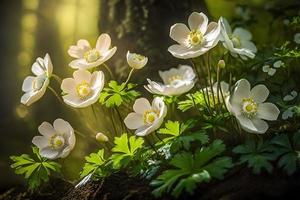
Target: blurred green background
point(31, 28)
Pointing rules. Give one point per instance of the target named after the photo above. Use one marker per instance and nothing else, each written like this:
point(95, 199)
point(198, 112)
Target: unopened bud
point(100, 137)
point(221, 64)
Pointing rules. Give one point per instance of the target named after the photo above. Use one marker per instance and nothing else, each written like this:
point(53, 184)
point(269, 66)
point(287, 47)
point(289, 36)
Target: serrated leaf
point(115, 94)
point(288, 152)
point(35, 171)
point(257, 155)
point(191, 169)
point(125, 149)
point(93, 162)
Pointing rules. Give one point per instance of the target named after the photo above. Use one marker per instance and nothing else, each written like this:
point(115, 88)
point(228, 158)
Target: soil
point(240, 184)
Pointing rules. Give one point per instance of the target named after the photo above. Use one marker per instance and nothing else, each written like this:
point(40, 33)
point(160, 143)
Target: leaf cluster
point(115, 95)
point(188, 170)
point(35, 169)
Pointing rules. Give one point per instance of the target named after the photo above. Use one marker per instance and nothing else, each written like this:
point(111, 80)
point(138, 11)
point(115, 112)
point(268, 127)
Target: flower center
point(92, 55)
point(195, 37)
point(150, 116)
point(173, 80)
point(249, 108)
point(83, 89)
point(38, 82)
point(138, 57)
point(57, 141)
point(236, 41)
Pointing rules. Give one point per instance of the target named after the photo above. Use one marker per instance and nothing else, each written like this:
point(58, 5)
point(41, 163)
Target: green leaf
point(288, 152)
point(172, 129)
point(195, 100)
point(258, 155)
point(93, 162)
point(187, 170)
point(35, 171)
point(125, 149)
point(115, 95)
point(184, 141)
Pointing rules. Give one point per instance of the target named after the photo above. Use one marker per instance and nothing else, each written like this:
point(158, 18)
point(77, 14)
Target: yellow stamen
point(83, 89)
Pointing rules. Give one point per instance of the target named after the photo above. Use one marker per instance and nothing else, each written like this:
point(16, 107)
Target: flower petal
point(249, 45)
point(268, 111)
point(37, 69)
point(27, 83)
point(242, 90)
point(82, 75)
point(48, 65)
point(242, 33)
point(179, 32)
point(97, 80)
point(260, 125)
point(143, 131)
point(40, 141)
point(198, 21)
point(141, 105)
point(61, 126)
point(212, 35)
point(103, 43)
point(134, 120)
point(253, 125)
point(46, 129)
point(259, 93)
point(49, 153)
point(68, 85)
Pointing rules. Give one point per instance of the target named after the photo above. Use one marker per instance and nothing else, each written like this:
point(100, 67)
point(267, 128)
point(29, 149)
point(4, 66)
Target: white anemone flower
point(57, 141)
point(214, 98)
point(136, 61)
point(237, 42)
point(176, 81)
point(36, 86)
point(196, 40)
point(249, 107)
point(88, 57)
point(146, 118)
point(84, 89)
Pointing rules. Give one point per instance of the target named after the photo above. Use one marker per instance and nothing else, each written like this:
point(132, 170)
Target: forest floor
point(240, 184)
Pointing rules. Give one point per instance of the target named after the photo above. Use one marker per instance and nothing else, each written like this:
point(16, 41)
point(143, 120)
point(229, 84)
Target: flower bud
point(221, 64)
point(100, 137)
point(136, 61)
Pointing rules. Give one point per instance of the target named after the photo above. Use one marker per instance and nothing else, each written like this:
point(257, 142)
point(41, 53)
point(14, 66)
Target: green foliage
point(184, 141)
point(125, 149)
point(285, 52)
point(191, 169)
point(258, 155)
point(288, 150)
point(93, 163)
point(35, 170)
point(173, 132)
point(217, 121)
point(115, 94)
point(193, 100)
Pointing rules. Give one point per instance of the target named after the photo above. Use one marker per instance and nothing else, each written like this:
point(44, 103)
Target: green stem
point(79, 133)
point(198, 77)
point(219, 88)
point(109, 71)
point(113, 123)
point(121, 119)
point(128, 78)
point(55, 94)
point(57, 78)
point(208, 67)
